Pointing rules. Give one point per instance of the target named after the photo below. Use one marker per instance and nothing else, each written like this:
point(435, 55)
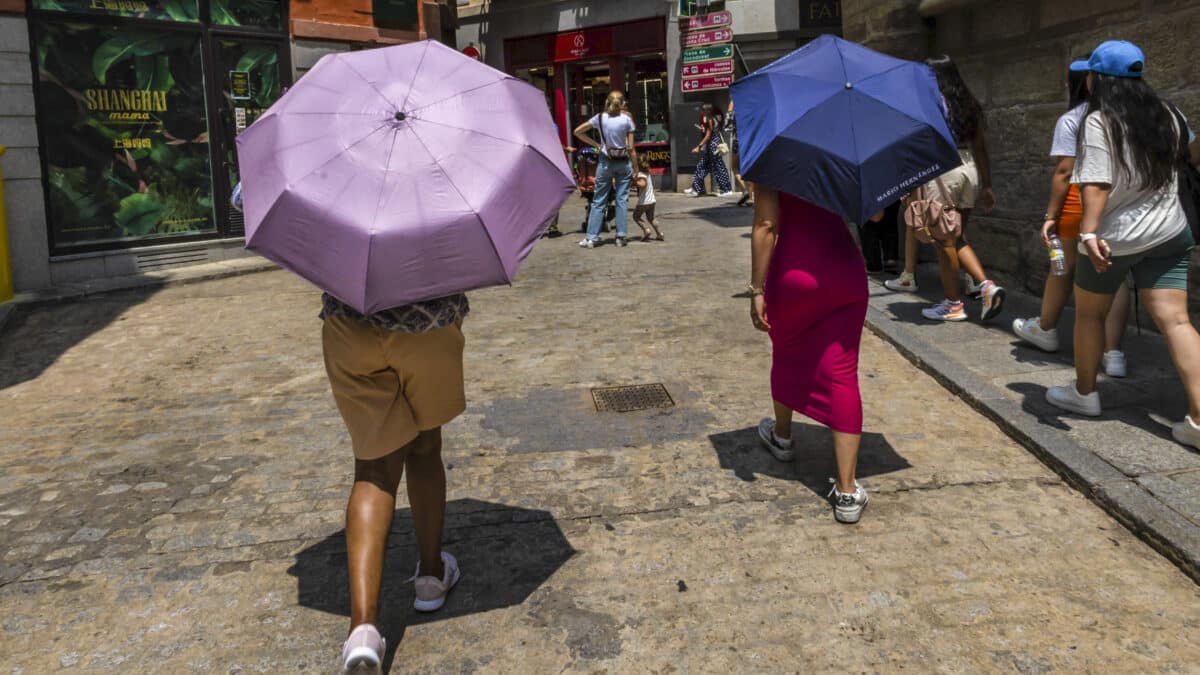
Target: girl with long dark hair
point(1063, 215)
point(968, 185)
point(711, 161)
point(1128, 155)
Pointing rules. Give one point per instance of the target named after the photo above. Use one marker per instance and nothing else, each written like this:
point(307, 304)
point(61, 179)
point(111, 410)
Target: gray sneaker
point(363, 652)
point(780, 448)
point(847, 507)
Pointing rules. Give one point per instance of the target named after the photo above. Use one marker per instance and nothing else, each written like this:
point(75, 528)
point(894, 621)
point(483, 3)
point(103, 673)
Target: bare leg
point(912, 249)
point(1168, 307)
point(966, 255)
point(845, 447)
point(1090, 310)
point(948, 265)
point(1058, 289)
point(783, 421)
point(427, 498)
point(368, 521)
point(1117, 320)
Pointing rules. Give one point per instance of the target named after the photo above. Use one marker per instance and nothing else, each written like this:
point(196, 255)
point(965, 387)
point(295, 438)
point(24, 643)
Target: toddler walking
point(646, 202)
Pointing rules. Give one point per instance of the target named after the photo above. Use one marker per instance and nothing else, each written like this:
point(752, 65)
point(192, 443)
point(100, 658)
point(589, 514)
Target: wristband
point(1087, 236)
point(753, 291)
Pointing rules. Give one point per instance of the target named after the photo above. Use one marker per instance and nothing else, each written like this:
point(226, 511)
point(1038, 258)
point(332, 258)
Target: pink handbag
point(930, 219)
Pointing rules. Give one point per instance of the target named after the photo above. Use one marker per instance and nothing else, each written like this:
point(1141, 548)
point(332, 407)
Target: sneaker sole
point(962, 317)
point(997, 306)
point(900, 289)
point(781, 455)
point(1187, 443)
point(849, 516)
point(362, 661)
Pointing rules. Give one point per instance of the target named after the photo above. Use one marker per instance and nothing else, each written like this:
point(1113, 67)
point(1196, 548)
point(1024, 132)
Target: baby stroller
point(585, 163)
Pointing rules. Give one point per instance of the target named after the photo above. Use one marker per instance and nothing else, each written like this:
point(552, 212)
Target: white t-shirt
point(646, 195)
point(1134, 219)
point(1066, 132)
point(614, 129)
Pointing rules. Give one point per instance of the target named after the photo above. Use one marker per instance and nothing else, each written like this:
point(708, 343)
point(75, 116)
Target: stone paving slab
point(173, 476)
point(1126, 459)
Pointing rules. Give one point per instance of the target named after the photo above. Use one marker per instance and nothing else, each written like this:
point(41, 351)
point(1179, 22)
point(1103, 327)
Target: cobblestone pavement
point(173, 474)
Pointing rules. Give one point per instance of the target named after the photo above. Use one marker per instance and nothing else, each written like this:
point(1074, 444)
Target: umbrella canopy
point(843, 127)
point(395, 175)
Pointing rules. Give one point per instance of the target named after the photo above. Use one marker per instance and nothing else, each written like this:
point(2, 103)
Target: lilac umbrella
point(395, 175)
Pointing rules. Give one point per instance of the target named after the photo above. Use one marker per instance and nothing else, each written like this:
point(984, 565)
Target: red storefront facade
point(577, 69)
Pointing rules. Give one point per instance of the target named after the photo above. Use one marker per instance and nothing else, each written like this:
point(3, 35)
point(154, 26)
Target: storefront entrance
point(139, 103)
point(577, 70)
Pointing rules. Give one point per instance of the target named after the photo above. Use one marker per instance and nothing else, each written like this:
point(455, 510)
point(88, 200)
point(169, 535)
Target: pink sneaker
point(431, 591)
point(363, 652)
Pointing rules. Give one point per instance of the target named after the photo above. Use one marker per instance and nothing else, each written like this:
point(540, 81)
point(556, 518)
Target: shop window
point(125, 134)
point(542, 79)
point(166, 10)
point(247, 13)
point(647, 90)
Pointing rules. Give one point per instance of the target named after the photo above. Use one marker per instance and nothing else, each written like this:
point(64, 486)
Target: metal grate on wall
point(157, 260)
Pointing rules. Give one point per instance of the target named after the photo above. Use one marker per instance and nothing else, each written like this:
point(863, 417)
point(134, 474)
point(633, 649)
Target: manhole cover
point(628, 399)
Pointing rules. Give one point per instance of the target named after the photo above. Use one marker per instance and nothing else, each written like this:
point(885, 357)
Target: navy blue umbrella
point(842, 126)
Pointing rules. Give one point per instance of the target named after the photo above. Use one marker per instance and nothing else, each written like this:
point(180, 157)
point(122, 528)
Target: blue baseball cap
point(1114, 57)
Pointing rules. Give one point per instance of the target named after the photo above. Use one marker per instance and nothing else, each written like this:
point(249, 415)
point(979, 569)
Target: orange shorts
point(1071, 216)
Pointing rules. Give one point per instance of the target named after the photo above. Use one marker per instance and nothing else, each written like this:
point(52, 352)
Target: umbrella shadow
point(505, 553)
point(742, 453)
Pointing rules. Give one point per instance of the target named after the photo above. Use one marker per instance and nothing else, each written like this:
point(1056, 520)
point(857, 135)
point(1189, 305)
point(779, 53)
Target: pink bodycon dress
point(816, 296)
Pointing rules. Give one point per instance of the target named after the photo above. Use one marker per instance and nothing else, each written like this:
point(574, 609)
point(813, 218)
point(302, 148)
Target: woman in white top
point(1133, 221)
point(617, 159)
point(1063, 215)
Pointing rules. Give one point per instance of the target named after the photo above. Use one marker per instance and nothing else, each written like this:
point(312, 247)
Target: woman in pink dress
point(809, 289)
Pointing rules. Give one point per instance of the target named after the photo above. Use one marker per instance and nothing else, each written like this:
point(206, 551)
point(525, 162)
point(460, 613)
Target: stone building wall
point(1014, 55)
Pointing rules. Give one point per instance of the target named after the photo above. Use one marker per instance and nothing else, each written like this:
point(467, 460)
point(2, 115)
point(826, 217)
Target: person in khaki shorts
point(397, 378)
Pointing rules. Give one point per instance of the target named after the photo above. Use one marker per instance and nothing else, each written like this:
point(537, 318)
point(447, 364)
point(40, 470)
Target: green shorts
point(1164, 266)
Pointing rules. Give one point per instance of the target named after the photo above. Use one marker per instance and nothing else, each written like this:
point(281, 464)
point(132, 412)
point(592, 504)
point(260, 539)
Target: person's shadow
point(505, 554)
point(741, 451)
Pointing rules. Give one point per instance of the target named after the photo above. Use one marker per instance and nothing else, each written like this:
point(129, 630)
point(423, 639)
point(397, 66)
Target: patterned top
point(419, 317)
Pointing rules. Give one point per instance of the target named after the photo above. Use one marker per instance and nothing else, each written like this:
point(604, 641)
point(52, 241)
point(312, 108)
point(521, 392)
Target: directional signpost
point(707, 83)
point(708, 37)
point(711, 68)
point(705, 54)
point(714, 20)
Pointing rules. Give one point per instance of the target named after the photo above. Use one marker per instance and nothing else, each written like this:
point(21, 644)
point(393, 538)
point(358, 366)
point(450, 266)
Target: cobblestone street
point(173, 474)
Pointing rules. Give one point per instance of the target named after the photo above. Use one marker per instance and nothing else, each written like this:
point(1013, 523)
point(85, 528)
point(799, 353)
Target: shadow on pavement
point(741, 452)
point(505, 553)
point(35, 337)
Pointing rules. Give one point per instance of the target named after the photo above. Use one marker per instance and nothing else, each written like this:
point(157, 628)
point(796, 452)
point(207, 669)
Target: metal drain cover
point(631, 398)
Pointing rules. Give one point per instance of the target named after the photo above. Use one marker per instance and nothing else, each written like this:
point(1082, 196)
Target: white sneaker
point(1114, 363)
point(727, 194)
point(781, 448)
point(431, 591)
point(970, 288)
point(905, 283)
point(691, 193)
point(1030, 330)
point(847, 507)
point(1187, 432)
point(587, 243)
point(363, 652)
point(993, 299)
point(1069, 398)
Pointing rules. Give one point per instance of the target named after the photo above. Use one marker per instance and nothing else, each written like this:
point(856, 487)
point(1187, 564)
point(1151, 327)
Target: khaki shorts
point(962, 183)
point(389, 385)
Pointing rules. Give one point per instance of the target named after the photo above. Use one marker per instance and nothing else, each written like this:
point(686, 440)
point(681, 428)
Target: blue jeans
point(622, 171)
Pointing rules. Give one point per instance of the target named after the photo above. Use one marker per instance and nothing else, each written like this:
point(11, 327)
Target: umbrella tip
point(400, 117)
point(849, 85)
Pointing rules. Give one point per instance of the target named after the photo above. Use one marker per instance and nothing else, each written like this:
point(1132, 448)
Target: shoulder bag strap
point(945, 194)
point(600, 121)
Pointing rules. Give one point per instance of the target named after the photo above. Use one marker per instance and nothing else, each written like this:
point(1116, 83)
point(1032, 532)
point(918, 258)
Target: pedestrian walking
point(735, 156)
point(809, 292)
point(1061, 222)
point(1129, 151)
point(966, 186)
point(615, 172)
point(643, 213)
point(711, 159)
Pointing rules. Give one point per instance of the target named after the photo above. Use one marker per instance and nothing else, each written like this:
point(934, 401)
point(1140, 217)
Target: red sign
point(708, 37)
point(711, 68)
point(707, 83)
point(472, 52)
point(714, 20)
point(581, 44)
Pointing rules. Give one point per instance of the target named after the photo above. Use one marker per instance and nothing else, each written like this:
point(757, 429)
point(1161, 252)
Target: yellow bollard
point(6, 282)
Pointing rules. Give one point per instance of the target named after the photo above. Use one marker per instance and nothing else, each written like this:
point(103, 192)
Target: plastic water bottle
point(1058, 259)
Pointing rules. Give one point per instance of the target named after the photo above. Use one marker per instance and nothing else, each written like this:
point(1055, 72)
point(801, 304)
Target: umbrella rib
point(369, 83)
point(458, 94)
point(322, 165)
point(416, 72)
point(487, 135)
point(457, 191)
point(387, 169)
